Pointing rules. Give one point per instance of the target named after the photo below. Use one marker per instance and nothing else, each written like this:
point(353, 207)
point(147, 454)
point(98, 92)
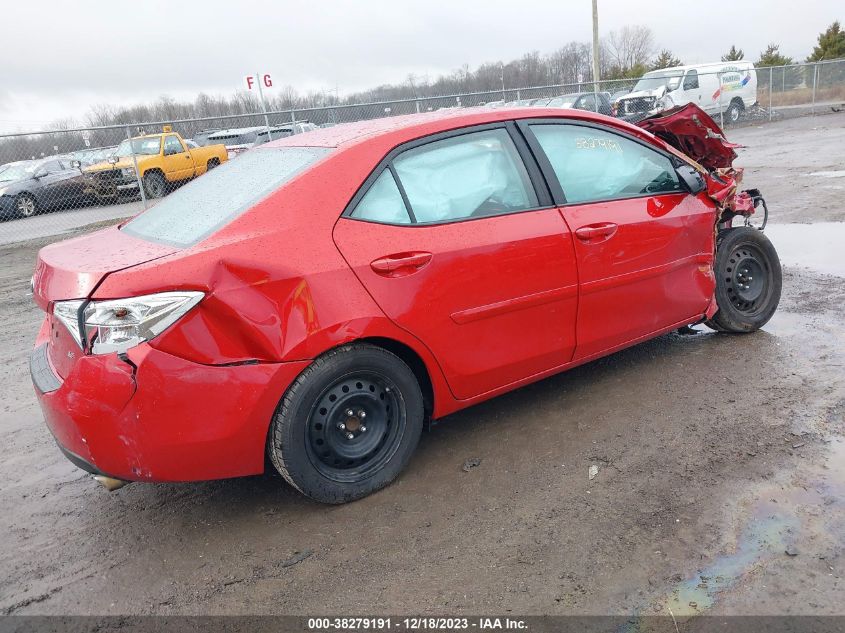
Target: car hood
point(691, 130)
point(72, 269)
point(122, 162)
point(657, 93)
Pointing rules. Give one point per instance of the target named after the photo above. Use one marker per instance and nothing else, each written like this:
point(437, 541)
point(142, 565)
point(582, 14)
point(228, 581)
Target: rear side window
point(195, 211)
point(592, 164)
point(472, 175)
point(383, 202)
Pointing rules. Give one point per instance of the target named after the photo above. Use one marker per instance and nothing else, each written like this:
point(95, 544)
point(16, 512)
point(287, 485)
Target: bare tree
point(630, 47)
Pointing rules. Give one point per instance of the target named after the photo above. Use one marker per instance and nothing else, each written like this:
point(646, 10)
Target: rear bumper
point(157, 417)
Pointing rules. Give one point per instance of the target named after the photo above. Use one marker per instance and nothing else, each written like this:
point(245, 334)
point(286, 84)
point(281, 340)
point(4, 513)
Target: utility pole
point(595, 45)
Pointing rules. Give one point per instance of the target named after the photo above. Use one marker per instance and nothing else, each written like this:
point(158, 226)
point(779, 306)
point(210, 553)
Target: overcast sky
point(67, 56)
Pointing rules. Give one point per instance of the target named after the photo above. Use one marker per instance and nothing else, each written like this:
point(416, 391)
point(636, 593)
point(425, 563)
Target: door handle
point(400, 262)
point(595, 231)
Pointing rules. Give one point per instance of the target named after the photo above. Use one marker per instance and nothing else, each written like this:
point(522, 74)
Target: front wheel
point(748, 280)
point(348, 424)
point(154, 185)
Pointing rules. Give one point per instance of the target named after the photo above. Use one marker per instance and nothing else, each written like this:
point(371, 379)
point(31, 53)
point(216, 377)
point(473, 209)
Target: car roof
point(741, 63)
point(423, 124)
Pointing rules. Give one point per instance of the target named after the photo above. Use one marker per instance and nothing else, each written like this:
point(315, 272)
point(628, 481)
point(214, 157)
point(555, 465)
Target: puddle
point(780, 516)
point(817, 247)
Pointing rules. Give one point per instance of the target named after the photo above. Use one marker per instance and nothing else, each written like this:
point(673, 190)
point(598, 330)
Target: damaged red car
point(320, 298)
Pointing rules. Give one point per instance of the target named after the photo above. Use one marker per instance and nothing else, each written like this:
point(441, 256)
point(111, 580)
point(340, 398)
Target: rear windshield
point(195, 211)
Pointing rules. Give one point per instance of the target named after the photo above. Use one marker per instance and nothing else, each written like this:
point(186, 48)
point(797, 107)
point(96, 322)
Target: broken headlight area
point(116, 325)
point(693, 132)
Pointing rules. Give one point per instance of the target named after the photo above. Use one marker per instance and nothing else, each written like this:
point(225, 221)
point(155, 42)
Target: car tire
point(734, 112)
point(748, 280)
point(26, 205)
point(332, 456)
point(214, 162)
point(154, 185)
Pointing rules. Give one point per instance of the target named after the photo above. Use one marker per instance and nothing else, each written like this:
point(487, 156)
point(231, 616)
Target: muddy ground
point(720, 489)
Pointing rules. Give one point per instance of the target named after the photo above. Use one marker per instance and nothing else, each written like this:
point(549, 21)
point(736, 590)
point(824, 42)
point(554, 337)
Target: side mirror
point(113, 159)
point(691, 178)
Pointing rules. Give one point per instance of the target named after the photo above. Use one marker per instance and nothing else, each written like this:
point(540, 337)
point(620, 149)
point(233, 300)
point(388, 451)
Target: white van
point(728, 87)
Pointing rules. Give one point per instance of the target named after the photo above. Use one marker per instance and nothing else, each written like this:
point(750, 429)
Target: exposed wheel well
point(153, 170)
point(412, 360)
point(738, 101)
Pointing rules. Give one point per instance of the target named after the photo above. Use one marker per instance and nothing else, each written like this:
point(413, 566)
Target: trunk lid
point(72, 269)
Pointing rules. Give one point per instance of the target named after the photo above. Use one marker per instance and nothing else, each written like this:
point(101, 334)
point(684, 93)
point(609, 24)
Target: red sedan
point(320, 297)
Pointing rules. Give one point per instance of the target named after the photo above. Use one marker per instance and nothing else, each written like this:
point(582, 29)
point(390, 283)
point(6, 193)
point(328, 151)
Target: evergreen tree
point(665, 59)
point(733, 55)
point(831, 44)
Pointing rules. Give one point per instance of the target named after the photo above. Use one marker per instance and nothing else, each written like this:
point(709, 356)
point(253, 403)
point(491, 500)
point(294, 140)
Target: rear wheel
point(348, 424)
point(748, 280)
point(25, 205)
point(214, 162)
point(155, 185)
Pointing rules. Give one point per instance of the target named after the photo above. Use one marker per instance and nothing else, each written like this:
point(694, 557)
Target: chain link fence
point(52, 182)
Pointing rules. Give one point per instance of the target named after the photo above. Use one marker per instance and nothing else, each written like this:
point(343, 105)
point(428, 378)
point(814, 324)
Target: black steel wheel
point(354, 427)
point(748, 280)
point(347, 425)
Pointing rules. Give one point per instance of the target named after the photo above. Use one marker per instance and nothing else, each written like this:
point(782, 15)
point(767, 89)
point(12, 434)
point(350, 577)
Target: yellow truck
point(163, 160)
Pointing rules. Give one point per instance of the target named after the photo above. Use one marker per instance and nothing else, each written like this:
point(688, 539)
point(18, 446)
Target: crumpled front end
point(694, 133)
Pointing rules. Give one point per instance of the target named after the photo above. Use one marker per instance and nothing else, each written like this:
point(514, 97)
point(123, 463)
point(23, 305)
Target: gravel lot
point(721, 482)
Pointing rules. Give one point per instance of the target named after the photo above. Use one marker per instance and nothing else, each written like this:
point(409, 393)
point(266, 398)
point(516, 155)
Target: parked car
point(163, 160)
point(283, 131)
point(201, 138)
point(722, 87)
point(591, 101)
point(28, 187)
point(87, 157)
point(615, 97)
point(239, 140)
point(319, 298)
point(236, 140)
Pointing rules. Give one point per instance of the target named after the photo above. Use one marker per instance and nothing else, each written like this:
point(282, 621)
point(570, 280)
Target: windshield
point(670, 78)
point(207, 204)
point(148, 146)
point(563, 102)
point(18, 171)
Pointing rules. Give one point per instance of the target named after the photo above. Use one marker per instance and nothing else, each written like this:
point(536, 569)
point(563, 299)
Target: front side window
point(691, 80)
point(588, 102)
point(592, 164)
point(471, 175)
point(205, 205)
